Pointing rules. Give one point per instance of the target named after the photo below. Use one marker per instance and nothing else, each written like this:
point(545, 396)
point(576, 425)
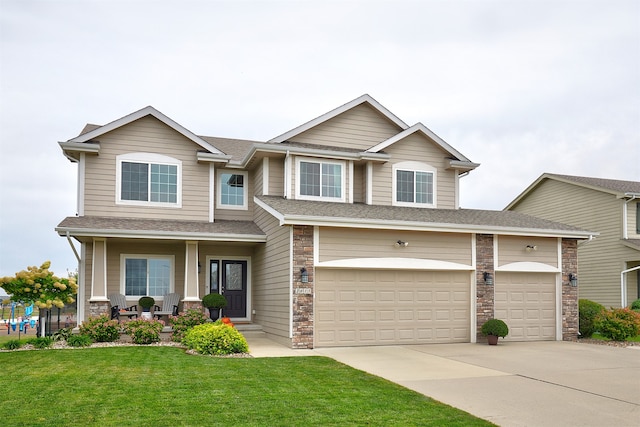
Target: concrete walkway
point(512, 384)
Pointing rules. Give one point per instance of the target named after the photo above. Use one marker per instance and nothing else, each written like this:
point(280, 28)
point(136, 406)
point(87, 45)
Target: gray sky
point(522, 87)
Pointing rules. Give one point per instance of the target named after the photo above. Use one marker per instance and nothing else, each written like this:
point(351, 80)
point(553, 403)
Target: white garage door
point(527, 303)
point(382, 307)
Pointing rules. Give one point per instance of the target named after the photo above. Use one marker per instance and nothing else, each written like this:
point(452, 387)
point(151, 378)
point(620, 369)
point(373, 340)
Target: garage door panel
point(397, 307)
point(526, 302)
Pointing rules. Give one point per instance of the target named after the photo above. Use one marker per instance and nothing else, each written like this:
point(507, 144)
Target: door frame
point(221, 258)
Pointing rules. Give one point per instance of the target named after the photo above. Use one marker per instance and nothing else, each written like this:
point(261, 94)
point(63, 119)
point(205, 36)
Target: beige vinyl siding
point(256, 176)
point(361, 127)
point(146, 135)
point(276, 176)
point(346, 243)
point(513, 249)
point(415, 148)
point(601, 260)
point(271, 277)
point(359, 183)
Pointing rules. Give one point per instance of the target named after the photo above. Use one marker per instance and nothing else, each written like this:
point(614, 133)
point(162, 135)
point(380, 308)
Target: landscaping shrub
point(12, 345)
point(79, 341)
point(143, 331)
point(63, 334)
point(635, 306)
point(618, 324)
point(215, 338)
point(495, 327)
point(101, 329)
point(588, 311)
point(41, 342)
point(185, 321)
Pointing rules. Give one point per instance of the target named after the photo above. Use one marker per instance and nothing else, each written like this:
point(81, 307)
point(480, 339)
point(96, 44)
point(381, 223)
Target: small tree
point(38, 285)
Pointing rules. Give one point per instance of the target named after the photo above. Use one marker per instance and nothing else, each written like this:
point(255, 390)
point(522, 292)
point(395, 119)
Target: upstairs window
point(320, 180)
point(232, 190)
point(148, 179)
point(414, 184)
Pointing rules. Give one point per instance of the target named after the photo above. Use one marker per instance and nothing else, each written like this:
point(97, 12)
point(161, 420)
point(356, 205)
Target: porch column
point(303, 292)
point(191, 282)
point(98, 302)
point(569, 293)
point(484, 293)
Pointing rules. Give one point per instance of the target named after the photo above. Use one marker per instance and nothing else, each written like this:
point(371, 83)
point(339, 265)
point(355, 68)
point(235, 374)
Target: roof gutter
point(154, 234)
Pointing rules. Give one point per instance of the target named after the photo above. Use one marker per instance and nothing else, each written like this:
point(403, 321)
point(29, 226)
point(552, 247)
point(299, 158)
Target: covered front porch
point(138, 257)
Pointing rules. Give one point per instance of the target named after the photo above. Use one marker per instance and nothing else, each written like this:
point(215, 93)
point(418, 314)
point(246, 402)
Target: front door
point(229, 277)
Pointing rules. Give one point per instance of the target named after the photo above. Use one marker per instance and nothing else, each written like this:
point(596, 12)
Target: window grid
point(232, 189)
point(320, 179)
point(414, 187)
point(134, 181)
point(164, 183)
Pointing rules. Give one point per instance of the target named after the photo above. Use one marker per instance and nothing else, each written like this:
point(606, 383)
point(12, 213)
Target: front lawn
point(152, 385)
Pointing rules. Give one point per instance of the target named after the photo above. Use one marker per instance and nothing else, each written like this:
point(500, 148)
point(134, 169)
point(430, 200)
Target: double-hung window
point(320, 180)
point(148, 179)
point(414, 184)
point(232, 189)
point(147, 275)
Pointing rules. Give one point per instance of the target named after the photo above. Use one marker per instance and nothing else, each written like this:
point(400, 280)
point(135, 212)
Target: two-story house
point(610, 264)
point(343, 231)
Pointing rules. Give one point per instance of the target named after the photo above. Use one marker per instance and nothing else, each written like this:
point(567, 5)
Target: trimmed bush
point(41, 342)
point(12, 345)
point(215, 338)
point(79, 341)
point(635, 306)
point(144, 331)
point(588, 311)
point(101, 329)
point(185, 321)
point(495, 327)
point(618, 324)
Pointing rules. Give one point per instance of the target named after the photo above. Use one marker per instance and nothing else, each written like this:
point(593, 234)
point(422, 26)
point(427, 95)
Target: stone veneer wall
point(484, 293)
point(97, 308)
point(302, 292)
point(569, 293)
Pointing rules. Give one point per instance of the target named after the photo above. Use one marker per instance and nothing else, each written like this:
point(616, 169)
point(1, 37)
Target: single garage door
point(383, 307)
point(527, 303)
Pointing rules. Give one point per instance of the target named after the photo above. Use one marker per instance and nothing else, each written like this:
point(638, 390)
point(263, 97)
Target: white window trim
point(343, 181)
point(414, 167)
point(123, 257)
point(245, 189)
point(149, 158)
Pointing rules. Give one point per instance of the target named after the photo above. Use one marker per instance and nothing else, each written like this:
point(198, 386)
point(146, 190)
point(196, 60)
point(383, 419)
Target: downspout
point(75, 252)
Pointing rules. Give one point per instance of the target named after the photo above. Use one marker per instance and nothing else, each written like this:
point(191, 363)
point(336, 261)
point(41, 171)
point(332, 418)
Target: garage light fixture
point(304, 275)
point(488, 278)
point(573, 280)
point(401, 244)
point(530, 248)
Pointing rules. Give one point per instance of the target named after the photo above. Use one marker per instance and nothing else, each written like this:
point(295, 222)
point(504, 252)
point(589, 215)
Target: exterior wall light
point(488, 278)
point(401, 244)
point(530, 248)
point(573, 280)
point(304, 275)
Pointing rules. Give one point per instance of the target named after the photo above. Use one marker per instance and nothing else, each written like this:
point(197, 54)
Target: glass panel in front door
point(214, 285)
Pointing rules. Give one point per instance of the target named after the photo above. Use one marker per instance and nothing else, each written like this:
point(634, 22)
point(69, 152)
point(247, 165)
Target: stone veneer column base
point(196, 305)
point(569, 293)
point(97, 308)
point(303, 324)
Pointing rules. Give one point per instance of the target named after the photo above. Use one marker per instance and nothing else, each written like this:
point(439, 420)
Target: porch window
point(147, 275)
point(148, 179)
point(414, 184)
point(320, 180)
point(232, 190)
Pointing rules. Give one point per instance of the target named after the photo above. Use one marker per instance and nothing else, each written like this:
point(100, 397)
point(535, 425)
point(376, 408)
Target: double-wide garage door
point(527, 303)
point(382, 307)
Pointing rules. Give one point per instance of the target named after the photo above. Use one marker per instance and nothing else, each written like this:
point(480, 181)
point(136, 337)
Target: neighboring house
point(343, 231)
point(609, 264)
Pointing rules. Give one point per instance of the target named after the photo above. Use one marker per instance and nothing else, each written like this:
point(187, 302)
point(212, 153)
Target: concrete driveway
point(515, 384)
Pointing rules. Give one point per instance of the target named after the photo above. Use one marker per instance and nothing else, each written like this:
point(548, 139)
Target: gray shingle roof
point(615, 185)
point(479, 220)
point(158, 227)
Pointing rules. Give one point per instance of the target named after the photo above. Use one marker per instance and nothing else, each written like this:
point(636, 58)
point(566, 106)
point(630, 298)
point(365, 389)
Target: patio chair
point(169, 306)
point(119, 307)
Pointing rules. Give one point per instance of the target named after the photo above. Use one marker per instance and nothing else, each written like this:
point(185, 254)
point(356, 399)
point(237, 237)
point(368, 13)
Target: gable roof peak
point(136, 115)
point(366, 98)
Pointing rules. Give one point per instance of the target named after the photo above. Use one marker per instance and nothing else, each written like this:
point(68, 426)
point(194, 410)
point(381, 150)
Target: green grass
point(164, 386)
point(597, 336)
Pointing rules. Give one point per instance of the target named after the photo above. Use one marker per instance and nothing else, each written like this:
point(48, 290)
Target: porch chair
point(169, 306)
point(119, 307)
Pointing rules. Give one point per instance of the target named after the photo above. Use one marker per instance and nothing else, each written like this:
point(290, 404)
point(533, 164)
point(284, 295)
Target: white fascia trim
point(146, 111)
point(213, 158)
point(167, 235)
point(395, 263)
point(419, 127)
point(312, 152)
point(277, 215)
point(528, 266)
point(404, 225)
point(337, 111)
point(92, 147)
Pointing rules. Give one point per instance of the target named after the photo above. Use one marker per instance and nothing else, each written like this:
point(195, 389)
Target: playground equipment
point(20, 323)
